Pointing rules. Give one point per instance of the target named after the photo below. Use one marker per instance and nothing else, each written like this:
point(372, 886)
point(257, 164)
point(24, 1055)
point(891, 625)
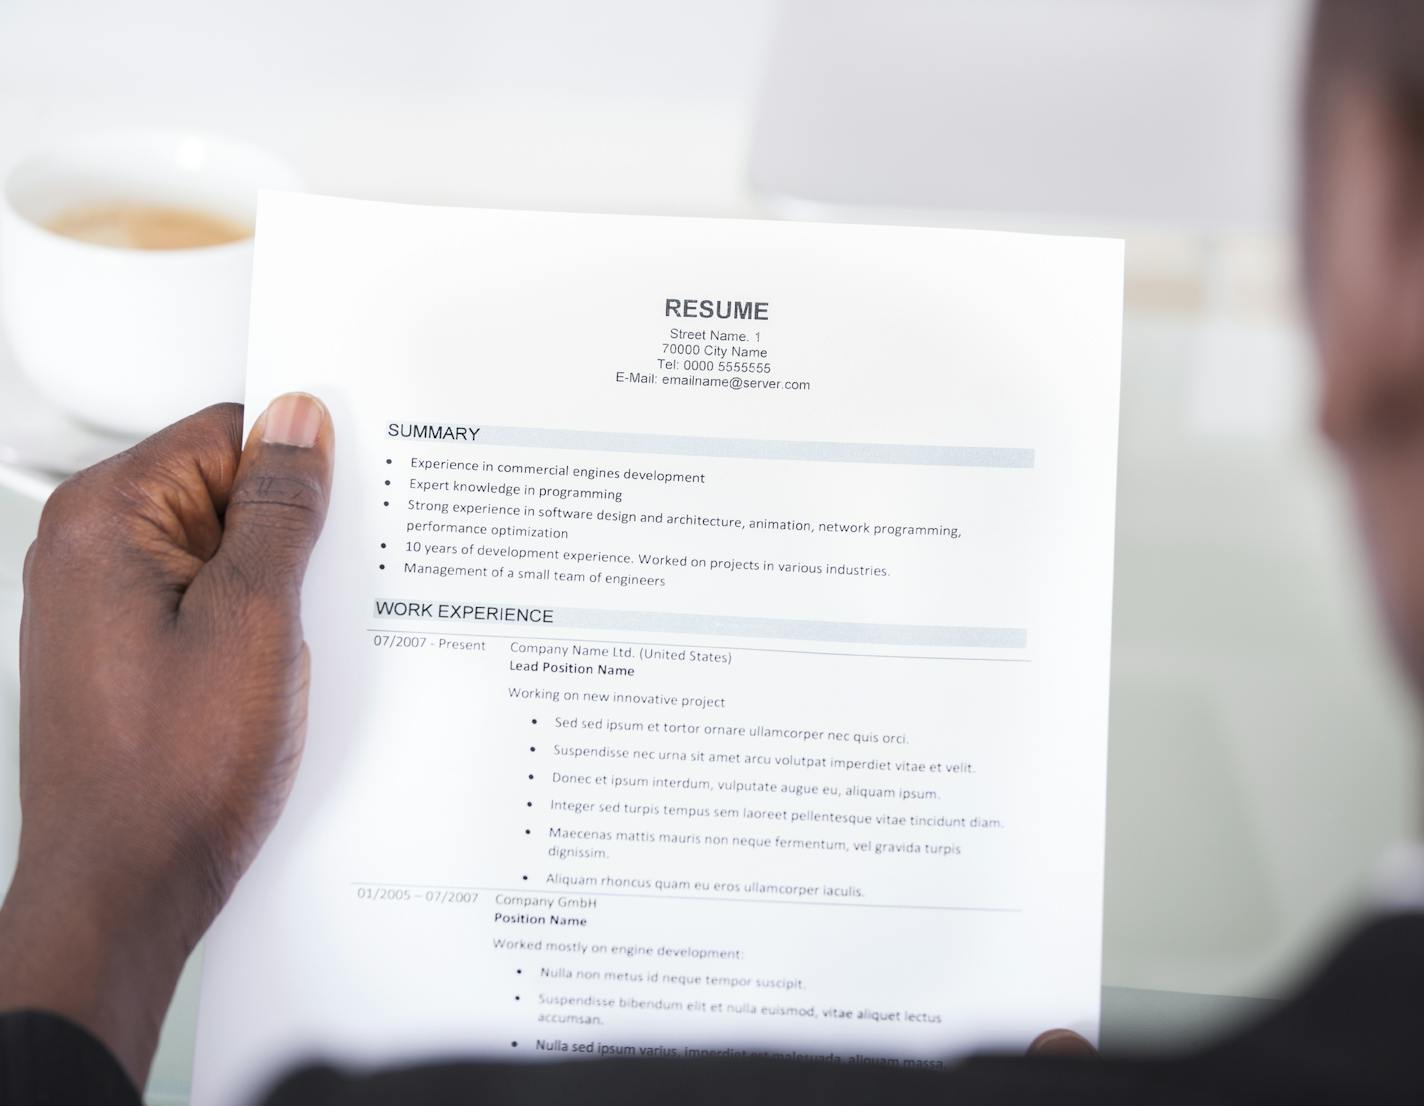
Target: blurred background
point(1262, 756)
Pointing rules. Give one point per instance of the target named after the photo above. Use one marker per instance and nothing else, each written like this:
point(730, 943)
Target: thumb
point(1062, 1044)
point(278, 500)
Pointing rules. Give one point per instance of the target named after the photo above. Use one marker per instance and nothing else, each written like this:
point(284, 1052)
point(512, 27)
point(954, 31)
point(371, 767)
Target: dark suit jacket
point(1353, 1036)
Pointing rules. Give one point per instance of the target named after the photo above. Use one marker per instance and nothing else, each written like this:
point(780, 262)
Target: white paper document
point(709, 641)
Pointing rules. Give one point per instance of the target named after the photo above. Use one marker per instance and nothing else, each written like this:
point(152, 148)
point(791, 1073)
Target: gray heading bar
point(469, 615)
point(756, 449)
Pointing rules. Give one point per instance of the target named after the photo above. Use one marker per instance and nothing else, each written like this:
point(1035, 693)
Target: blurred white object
point(1176, 112)
point(39, 444)
point(131, 339)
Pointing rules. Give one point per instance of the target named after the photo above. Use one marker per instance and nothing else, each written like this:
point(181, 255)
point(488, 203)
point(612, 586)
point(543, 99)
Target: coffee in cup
point(139, 226)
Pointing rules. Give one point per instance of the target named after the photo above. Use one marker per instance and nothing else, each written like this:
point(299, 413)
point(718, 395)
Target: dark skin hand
point(163, 708)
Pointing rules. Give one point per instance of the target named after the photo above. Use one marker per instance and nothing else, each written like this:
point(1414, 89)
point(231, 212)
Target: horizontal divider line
point(728, 648)
point(712, 625)
point(750, 449)
point(688, 898)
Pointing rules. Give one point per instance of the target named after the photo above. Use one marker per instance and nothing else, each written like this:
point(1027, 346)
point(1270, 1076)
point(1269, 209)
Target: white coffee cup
point(131, 339)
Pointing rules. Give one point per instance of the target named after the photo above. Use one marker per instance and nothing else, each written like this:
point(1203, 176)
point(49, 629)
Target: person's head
point(1363, 212)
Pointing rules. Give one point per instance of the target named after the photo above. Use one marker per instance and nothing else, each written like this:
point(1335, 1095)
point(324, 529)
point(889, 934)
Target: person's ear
point(1367, 248)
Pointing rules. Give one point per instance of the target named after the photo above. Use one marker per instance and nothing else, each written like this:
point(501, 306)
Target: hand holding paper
point(165, 690)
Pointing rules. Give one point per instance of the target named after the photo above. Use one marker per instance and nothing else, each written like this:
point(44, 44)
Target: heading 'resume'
point(714, 309)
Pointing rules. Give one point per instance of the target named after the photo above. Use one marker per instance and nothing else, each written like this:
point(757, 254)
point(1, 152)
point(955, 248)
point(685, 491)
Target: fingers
point(145, 520)
point(199, 453)
point(277, 504)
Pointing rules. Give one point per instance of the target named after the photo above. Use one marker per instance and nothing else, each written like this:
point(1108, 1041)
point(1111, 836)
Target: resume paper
point(709, 643)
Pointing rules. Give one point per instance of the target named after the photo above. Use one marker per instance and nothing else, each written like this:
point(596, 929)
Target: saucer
point(40, 445)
